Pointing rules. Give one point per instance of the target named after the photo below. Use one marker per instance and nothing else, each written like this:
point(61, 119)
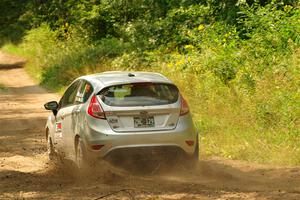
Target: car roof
point(122, 77)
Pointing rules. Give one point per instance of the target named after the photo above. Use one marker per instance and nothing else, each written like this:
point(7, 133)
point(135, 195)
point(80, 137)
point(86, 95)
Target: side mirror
point(52, 105)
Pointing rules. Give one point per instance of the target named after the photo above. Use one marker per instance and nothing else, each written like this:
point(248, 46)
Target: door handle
point(62, 116)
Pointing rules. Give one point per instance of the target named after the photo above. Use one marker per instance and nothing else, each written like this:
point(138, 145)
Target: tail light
point(95, 109)
point(184, 106)
point(190, 142)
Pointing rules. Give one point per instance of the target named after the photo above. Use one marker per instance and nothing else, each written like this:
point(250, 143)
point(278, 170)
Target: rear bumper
point(140, 142)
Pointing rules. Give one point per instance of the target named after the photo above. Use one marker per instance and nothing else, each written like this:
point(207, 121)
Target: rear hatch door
point(139, 107)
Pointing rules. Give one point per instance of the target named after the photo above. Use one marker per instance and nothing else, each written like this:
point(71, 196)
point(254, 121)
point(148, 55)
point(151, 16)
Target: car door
point(65, 117)
point(84, 93)
point(77, 118)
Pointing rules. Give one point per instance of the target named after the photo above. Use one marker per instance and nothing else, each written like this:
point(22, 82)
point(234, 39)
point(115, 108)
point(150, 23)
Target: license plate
point(143, 122)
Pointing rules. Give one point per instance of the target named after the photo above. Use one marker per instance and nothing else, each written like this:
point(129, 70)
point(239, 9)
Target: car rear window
point(139, 94)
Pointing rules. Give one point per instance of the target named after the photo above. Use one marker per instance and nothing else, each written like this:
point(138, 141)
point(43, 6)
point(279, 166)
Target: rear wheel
point(196, 152)
point(79, 155)
point(81, 160)
point(50, 148)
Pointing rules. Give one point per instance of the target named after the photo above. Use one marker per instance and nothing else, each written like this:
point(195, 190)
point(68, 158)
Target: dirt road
point(26, 172)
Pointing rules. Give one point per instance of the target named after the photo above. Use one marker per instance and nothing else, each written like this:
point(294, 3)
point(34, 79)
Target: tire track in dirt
point(26, 172)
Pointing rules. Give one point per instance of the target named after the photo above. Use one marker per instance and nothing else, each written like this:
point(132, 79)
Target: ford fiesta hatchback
point(120, 113)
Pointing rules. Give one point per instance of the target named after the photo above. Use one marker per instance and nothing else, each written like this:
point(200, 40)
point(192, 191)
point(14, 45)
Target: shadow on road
point(12, 66)
point(8, 61)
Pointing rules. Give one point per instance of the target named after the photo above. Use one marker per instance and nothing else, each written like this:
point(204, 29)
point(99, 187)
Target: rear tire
point(82, 162)
point(79, 155)
point(196, 152)
point(50, 148)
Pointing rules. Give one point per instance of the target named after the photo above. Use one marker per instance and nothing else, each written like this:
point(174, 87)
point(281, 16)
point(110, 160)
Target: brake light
point(184, 106)
point(95, 109)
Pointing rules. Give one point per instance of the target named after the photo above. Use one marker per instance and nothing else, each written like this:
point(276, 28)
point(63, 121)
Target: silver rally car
point(115, 112)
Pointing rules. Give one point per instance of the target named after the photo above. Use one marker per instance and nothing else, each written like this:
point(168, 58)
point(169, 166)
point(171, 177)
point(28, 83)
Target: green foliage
point(13, 20)
point(237, 62)
point(70, 59)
